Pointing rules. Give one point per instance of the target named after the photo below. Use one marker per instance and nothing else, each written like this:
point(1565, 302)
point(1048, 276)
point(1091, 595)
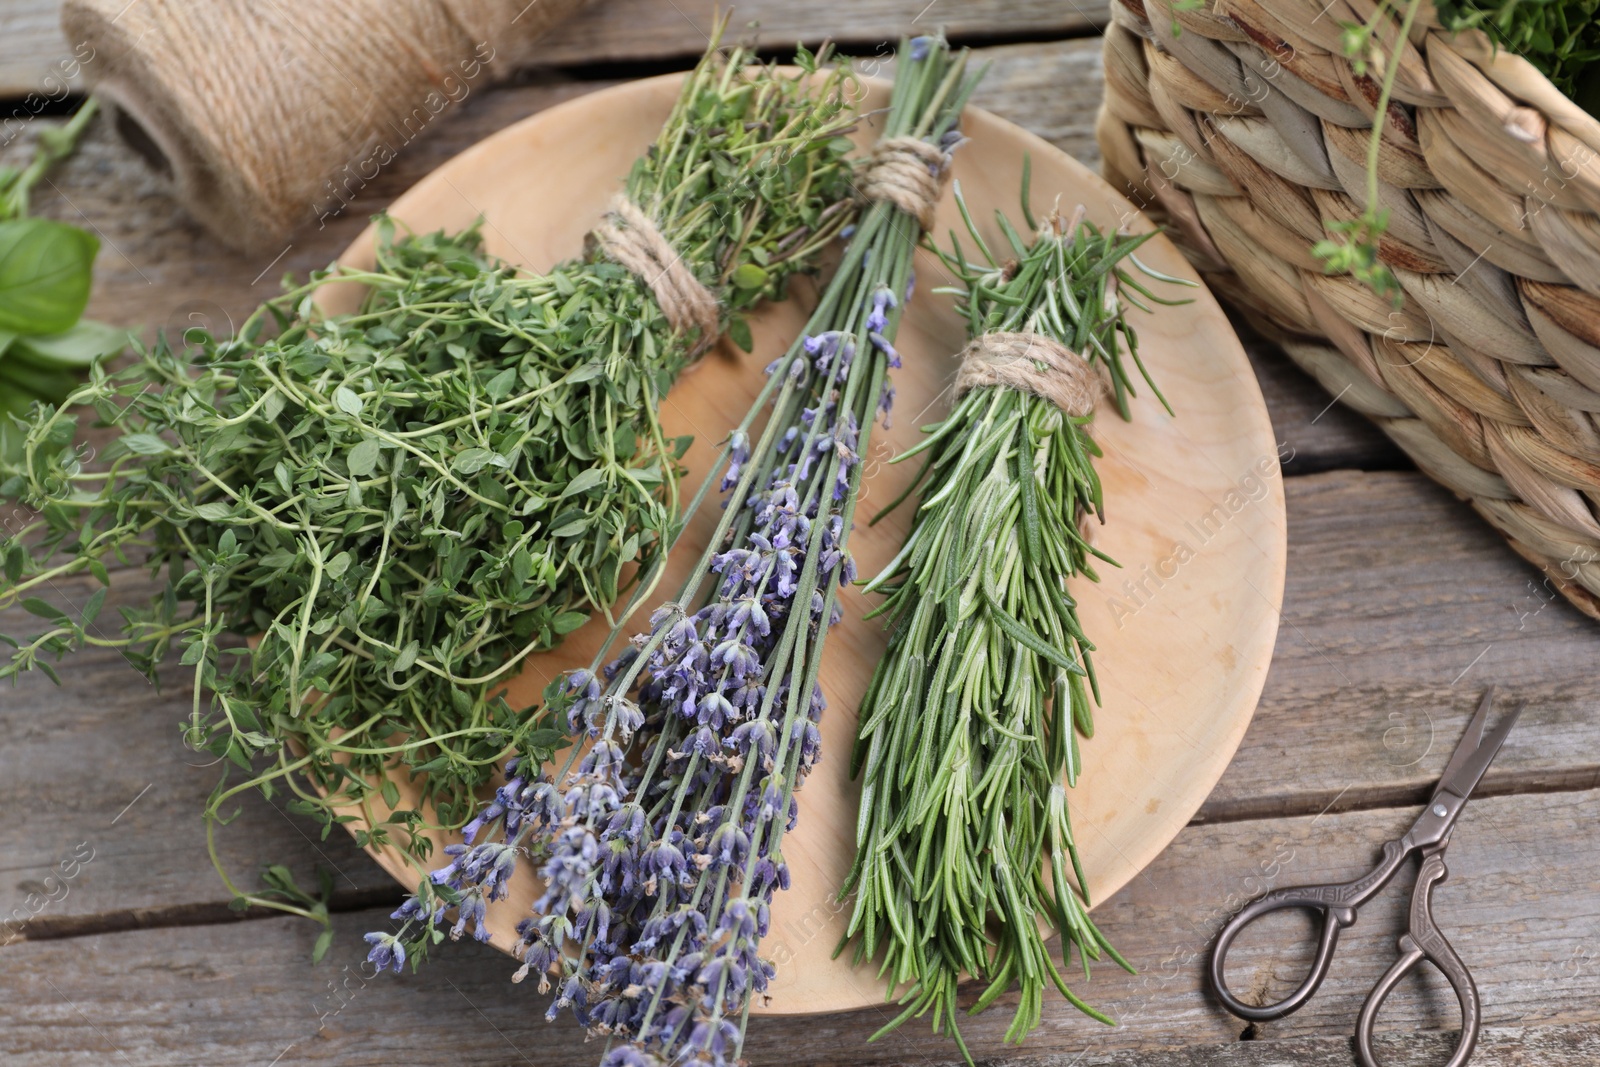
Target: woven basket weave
point(1248, 129)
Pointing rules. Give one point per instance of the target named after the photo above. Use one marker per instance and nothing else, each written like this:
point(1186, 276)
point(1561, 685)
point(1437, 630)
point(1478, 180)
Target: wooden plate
point(1194, 506)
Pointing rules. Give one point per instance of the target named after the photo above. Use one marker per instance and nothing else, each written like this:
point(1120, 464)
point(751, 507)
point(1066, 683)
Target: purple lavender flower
point(878, 317)
point(659, 838)
point(387, 951)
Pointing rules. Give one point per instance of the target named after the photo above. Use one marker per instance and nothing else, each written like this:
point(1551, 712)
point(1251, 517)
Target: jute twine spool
point(1249, 129)
point(1012, 360)
point(273, 114)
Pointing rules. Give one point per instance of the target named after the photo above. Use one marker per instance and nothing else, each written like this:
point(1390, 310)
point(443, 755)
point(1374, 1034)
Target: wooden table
point(1400, 607)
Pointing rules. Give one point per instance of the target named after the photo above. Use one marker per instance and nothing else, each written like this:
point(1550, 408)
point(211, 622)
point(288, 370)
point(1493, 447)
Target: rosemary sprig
point(970, 724)
point(404, 501)
point(661, 841)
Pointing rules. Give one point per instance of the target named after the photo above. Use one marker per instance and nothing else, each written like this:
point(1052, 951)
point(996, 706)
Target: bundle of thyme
point(405, 501)
point(660, 840)
point(967, 730)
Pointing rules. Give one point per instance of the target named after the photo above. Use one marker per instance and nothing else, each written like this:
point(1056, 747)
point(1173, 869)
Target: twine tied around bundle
point(907, 172)
point(1012, 360)
point(631, 238)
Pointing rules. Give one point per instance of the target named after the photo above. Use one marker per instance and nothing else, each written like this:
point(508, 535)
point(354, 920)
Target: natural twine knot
point(630, 238)
point(909, 173)
point(1012, 360)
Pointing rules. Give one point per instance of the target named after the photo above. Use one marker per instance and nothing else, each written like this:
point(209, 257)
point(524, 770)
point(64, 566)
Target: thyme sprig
point(404, 501)
point(970, 724)
point(1559, 37)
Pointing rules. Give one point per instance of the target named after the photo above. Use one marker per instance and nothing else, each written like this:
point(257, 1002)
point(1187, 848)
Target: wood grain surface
point(1398, 607)
point(652, 31)
point(1521, 911)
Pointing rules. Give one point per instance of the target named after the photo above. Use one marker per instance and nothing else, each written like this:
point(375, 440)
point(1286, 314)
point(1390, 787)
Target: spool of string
point(272, 114)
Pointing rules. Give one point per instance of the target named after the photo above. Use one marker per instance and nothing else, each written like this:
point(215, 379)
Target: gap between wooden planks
point(1380, 658)
point(1520, 907)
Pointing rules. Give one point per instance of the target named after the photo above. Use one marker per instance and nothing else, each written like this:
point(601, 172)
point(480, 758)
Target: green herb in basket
point(404, 501)
point(967, 739)
point(1559, 37)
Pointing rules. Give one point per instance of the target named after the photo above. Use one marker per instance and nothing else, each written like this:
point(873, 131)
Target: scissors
point(1429, 836)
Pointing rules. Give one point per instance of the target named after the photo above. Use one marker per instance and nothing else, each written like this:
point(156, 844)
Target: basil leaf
point(45, 273)
point(85, 343)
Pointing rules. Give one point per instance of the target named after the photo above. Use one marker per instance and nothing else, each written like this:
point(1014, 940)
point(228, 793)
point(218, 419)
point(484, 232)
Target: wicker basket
point(1248, 129)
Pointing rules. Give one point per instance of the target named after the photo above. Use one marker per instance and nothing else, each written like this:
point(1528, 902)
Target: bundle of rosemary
point(404, 501)
point(660, 841)
point(967, 728)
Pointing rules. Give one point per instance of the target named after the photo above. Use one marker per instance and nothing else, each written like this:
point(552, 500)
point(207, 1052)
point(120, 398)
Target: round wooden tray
point(1194, 508)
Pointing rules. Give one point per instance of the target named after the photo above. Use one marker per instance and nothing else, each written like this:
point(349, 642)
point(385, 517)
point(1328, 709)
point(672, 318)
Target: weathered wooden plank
point(1520, 906)
point(1398, 610)
point(1576, 1045)
point(30, 45)
point(96, 771)
point(632, 30)
point(1358, 709)
point(649, 31)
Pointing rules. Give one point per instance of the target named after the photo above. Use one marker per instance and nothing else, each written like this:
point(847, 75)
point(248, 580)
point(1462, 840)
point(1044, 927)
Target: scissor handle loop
point(1335, 917)
point(1337, 903)
point(1424, 942)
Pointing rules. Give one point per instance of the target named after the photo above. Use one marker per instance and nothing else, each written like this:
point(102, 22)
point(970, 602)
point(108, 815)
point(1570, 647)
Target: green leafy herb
point(402, 502)
point(45, 273)
point(661, 836)
point(1560, 37)
point(970, 723)
point(46, 269)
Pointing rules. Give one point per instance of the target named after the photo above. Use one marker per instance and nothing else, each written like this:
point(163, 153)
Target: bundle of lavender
point(967, 728)
point(405, 501)
point(660, 840)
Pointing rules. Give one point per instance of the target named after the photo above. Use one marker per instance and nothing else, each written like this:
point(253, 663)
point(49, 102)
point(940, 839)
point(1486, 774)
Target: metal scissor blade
point(1476, 751)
